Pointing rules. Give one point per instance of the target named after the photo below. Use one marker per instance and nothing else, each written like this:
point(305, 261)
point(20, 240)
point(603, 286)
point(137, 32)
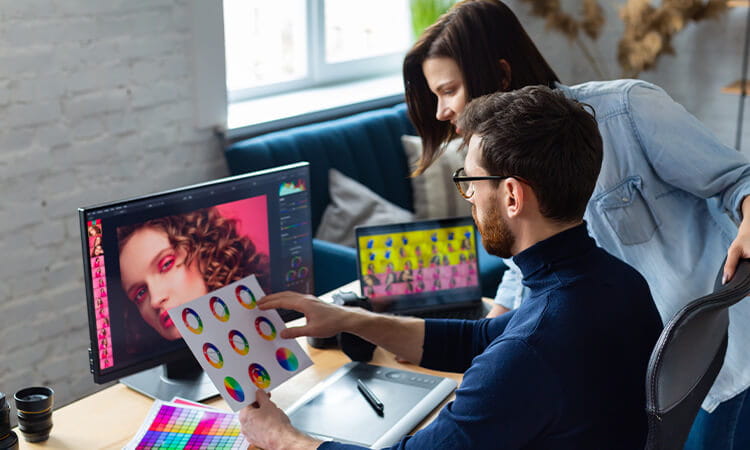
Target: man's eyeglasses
point(465, 185)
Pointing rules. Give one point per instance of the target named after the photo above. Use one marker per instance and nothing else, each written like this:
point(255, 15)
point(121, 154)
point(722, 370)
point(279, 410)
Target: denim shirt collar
point(536, 262)
point(565, 89)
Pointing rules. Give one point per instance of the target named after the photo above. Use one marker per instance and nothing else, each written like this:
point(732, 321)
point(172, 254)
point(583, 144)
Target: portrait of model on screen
point(172, 260)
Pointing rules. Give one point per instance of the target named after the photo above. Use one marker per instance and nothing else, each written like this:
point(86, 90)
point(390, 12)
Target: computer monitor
point(143, 256)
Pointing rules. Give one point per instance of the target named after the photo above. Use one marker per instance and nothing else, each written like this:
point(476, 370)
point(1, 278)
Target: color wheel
point(213, 355)
point(192, 321)
point(248, 299)
point(234, 389)
point(239, 343)
point(259, 376)
point(270, 335)
point(287, 359)
point(219, 309)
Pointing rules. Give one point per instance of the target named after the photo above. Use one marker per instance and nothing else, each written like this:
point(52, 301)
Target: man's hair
point(476, 34)
point(212, 240)
point(538, 134)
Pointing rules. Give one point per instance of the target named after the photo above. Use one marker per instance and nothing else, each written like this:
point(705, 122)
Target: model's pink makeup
point(162, 263)
point(166, 263)
point(166, 321)
point(137, 294)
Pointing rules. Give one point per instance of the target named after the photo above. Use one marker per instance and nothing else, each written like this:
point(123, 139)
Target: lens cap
point(34, 399)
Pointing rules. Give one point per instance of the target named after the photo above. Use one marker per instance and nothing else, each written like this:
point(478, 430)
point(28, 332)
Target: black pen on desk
point(372, 399)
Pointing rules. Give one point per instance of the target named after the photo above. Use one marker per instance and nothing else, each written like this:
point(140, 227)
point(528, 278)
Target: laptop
point(426, 269)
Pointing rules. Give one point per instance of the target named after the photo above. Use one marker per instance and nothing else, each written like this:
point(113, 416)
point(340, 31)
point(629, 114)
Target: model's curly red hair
point(210, 239)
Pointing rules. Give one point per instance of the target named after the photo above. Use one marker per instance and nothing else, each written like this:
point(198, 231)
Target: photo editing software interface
point(146, 255)
point(397, 261)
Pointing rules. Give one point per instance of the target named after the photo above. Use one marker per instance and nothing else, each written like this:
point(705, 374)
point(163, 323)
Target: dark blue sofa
point(365, 147)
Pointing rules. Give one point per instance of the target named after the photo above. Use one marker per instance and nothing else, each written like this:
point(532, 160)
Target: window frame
point(319, 72)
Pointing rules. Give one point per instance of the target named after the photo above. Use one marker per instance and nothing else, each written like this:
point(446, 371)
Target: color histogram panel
point(172, 426)
point(292, 187)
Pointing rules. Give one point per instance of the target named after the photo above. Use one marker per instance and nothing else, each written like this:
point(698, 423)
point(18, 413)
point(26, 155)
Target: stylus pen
point(372, 399)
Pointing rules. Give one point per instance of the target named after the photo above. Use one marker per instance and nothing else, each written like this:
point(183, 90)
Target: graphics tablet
point(337, 410)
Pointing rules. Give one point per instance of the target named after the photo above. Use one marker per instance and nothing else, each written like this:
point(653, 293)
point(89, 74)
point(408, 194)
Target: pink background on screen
point(252, 219)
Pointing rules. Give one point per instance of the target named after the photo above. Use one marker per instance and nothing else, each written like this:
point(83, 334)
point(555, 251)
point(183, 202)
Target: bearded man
point(565, 370)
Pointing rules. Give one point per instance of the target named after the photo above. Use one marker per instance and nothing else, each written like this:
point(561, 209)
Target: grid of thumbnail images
point(418, 261)
point(101, 303)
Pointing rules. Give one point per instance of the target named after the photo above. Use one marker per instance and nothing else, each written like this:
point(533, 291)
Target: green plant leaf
point(426, 12)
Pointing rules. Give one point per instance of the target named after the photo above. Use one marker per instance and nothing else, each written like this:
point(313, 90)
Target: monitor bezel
point(167, 356)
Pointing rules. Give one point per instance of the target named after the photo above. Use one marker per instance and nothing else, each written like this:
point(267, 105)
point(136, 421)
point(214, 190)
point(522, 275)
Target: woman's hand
point(740, 247)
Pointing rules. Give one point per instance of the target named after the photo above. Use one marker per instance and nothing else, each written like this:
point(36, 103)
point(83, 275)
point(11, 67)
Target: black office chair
point(686, 360)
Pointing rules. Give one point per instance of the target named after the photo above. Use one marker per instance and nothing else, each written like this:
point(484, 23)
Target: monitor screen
point(418, 265)
point(146, 255)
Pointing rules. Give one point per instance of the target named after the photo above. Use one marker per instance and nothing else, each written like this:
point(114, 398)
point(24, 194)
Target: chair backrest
point(686, 360)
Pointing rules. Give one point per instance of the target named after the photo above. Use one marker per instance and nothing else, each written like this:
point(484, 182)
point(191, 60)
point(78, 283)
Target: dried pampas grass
point(591, 23)
point(648, 29)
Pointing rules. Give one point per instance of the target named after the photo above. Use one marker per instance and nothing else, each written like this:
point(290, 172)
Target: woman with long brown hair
point(668, 200)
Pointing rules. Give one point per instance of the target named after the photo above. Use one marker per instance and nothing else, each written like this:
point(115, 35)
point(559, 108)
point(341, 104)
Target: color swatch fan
point(238, 345)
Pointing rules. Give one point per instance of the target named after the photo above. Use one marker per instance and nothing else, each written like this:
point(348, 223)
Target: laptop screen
point(419, 266)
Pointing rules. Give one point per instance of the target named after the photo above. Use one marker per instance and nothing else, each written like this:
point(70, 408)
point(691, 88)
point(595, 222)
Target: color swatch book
point(237, 344)
point(172, 426)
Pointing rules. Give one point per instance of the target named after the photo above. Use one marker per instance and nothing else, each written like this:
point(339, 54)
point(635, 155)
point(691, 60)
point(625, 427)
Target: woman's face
point(155, 278)
point(446, 81)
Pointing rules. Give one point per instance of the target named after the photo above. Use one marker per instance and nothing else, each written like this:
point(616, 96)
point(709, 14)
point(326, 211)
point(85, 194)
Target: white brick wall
point(96, 103)
point(94, 95)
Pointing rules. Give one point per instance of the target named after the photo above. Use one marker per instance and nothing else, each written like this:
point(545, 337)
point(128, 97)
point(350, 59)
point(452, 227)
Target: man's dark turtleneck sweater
point(566, 370)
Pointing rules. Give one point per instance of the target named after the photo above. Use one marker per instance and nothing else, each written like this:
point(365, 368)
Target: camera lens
point(8, 439)
point(34, 405)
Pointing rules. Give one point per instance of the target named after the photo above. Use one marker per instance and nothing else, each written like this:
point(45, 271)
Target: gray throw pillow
point(435, 194)
point(353, 204)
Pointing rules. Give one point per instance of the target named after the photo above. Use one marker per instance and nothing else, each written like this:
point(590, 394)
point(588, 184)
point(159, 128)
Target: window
point(286, 45)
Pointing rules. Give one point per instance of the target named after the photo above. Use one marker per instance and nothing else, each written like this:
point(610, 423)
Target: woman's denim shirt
point(667, 202)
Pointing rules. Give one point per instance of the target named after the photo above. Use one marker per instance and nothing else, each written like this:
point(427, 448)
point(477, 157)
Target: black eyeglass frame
point(457, 179)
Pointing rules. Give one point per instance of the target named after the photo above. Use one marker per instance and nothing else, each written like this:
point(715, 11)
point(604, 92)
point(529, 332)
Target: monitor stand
point(182, 378)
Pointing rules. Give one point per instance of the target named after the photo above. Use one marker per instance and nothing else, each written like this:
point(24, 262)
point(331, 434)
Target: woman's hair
point(211, 240)
point(476, 34)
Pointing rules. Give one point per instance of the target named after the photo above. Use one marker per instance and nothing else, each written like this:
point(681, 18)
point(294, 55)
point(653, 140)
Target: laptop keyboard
point(468, 314)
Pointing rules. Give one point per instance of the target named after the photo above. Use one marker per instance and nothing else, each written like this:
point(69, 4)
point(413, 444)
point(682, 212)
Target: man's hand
point(266, 426)
point(496, 310)
point(740, 247)
point(403, 336)
point(323, 319)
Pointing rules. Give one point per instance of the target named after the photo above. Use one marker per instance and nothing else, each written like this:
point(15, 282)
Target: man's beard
point(497, 238)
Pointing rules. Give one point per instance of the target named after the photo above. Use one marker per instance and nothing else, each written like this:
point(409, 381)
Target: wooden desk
point(110, 418)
